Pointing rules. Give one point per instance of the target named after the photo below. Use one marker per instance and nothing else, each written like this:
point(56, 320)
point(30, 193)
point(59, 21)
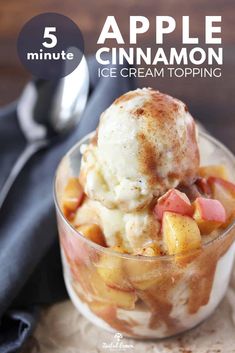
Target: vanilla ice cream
point(145, 144)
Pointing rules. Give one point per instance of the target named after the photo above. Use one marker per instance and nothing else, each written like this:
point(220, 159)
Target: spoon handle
point(29, 150)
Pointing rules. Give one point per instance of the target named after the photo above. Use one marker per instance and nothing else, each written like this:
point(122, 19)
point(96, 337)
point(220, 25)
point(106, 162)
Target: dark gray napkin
point(30, 267)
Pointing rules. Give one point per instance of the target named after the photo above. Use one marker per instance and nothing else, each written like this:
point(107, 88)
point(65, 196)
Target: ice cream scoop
point(145, 144)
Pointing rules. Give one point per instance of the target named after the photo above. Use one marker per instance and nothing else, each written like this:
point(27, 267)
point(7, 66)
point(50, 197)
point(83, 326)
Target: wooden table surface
point(210, 100)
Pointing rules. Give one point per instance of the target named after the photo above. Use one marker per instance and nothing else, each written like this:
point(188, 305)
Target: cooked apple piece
point(93, 233)
point(219, 171)
point(173, 201)
point(143, 274)
point(75, 248)
point(150, 249)
point(203, 186)
point(117, 297)
point(180, 233)
point(110, 268)
point(119, 248)
point(72, 196)
point(224, 191)
point(209, 214)
point(120, 298)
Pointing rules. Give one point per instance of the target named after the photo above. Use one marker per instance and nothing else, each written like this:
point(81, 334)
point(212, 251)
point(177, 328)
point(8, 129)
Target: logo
point(117, 344)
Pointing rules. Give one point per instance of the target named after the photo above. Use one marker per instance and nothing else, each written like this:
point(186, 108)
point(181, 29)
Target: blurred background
point(211, 100)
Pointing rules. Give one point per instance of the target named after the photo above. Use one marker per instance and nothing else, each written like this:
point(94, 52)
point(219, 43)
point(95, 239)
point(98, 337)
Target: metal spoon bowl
point(45, 110)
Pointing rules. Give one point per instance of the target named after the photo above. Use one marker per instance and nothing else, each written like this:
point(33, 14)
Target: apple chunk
point(104, 293)
point(150, 249)
point(180, 233)
point(209, 214)
point(92, 232)
point(72, 196)
point(224, 191)
point(219, 171)
point(110, 268)
point(173, 201)
point(143, 274)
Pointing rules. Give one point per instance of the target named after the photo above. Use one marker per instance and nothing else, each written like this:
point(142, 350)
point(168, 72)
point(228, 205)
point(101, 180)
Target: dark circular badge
point(50, 46)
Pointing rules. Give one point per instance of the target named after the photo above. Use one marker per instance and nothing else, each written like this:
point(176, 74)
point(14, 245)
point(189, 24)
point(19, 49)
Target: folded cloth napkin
point(30, 266)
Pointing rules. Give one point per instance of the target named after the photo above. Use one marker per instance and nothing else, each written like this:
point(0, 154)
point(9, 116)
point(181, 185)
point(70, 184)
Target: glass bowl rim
point(111, 252)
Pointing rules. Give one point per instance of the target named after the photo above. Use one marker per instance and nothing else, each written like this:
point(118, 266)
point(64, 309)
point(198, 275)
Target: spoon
point(45, 110)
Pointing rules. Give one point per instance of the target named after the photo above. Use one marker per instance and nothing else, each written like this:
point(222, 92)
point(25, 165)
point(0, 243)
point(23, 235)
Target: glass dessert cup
point(142, 296)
